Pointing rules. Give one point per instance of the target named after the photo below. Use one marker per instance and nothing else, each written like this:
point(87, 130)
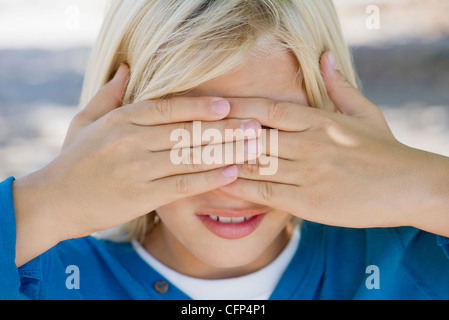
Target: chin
point(231, 255)
point(217, 241)
point(248, 253)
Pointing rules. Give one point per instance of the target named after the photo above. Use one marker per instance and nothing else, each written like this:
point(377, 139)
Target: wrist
point(431, 205)
point(38, 225)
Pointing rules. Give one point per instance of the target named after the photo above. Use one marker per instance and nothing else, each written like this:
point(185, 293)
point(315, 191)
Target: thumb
point(109, 97)
point(346, 98)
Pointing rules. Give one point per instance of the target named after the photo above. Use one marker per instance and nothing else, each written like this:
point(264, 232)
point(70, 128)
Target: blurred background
point(400, 48)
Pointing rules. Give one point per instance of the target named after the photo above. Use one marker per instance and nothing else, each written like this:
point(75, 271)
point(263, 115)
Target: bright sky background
point(53, 24)
point(49, 24)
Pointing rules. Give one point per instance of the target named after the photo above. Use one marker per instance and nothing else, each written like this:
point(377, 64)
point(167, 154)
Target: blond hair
point(173, 46)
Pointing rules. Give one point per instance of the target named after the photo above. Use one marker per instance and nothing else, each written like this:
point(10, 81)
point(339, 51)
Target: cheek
point(178, 216)
point(186, 233)
point(183, 225)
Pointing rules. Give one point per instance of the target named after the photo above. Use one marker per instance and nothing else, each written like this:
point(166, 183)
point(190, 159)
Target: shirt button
point(161, 286)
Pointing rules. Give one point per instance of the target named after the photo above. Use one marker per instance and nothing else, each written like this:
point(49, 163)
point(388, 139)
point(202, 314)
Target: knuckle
point(112, 118)
point(265, 190)
point(345, 84)
point(121, 142)
point(321, 146)
point(82, 116)
point(164, 107)
point(188, 127)
point(194, 162)
point(276, 112)
point(182, 184)
point(328, 122)
point(250, 169)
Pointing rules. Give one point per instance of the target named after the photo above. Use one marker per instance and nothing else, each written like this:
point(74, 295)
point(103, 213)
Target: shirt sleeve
point(16, 283)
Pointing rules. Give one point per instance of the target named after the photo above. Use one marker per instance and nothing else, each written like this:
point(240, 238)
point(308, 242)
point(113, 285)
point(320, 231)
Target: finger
point(198, 133)
point(346, 98)
point(275, 143)
point(270, 142)
point(281, 144)
point(280, 115)
point(108, 98)
point(199, 159)
point(182, 186)
point(271, 194)
point(271, 169)
point(177, 109)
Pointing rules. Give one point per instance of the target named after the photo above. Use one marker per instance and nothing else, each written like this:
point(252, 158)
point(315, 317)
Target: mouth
point(232, 224)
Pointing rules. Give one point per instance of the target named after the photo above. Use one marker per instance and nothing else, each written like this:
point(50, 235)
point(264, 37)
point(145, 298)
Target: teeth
point(229, 219)
point(225, 219)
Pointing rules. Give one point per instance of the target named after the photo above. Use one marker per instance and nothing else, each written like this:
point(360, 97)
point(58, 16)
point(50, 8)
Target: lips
point(232, 224)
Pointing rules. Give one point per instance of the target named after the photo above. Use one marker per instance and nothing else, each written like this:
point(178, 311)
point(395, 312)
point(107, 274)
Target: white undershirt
point(255, 286)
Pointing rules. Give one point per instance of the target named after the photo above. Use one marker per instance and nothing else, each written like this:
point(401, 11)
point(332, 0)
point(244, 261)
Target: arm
point(114, 167)
point(432, 175)
point(344, 169)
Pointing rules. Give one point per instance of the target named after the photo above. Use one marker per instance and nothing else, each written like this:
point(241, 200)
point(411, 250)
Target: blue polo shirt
point(330, 263)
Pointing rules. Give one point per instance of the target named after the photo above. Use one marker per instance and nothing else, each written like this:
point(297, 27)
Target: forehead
point(272, 75)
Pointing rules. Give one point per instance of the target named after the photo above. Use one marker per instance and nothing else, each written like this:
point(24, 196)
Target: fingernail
point(230, 172)
point(221, 107)
point(332, 60)
point(250, 128)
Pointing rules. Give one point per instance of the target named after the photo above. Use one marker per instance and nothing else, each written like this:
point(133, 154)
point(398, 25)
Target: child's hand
point(115, 166)
point(343, 169)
